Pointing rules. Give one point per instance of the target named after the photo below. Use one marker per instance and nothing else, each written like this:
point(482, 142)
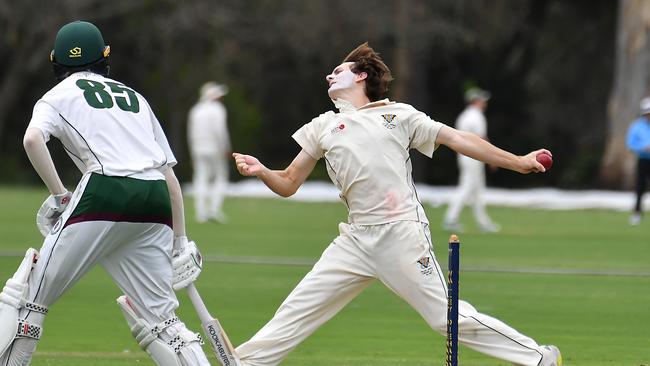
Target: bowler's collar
point(345, 107)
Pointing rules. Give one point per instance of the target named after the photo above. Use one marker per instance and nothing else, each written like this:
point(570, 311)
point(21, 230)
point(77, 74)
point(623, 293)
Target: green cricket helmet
point(79, 46)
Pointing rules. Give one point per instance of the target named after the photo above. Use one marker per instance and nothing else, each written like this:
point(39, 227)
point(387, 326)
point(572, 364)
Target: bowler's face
point(340, 79)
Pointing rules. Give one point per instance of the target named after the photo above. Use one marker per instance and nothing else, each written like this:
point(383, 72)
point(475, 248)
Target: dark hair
point(367, 60)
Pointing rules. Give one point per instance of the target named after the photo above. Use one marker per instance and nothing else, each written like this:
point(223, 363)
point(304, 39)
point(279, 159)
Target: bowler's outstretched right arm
point(283, 182)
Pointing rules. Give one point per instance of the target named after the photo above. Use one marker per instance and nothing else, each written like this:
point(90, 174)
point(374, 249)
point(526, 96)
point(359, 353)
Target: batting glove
point(51, 210)
point(186, 262)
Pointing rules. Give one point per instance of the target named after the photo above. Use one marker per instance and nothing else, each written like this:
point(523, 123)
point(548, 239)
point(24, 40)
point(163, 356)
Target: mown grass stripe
point(286, 261)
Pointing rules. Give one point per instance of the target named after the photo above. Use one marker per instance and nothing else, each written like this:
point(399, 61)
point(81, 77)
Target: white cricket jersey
point(366, 151)
point(207, 130)
point(104, 126)
point(472, 120)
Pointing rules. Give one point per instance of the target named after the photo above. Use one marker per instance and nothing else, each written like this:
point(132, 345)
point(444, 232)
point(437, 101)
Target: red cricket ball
point(545, 159)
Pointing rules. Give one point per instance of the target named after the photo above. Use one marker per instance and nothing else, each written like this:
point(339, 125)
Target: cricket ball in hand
point(545, 159)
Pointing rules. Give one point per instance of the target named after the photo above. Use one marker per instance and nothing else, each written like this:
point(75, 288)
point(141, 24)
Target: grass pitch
point(577, 279)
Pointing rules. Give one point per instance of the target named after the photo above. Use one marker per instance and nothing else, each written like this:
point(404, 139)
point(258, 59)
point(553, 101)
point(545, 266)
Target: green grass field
point(594, 307)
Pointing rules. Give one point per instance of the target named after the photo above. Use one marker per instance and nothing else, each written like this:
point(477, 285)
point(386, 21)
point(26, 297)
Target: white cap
point(645, 105)
point(212, 90)
point(476, 93)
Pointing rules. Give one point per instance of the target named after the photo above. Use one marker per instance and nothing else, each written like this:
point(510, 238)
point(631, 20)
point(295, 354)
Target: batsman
point(125, 213)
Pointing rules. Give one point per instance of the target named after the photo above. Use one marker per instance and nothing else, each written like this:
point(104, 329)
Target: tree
point(538, 57)
point(631, 84)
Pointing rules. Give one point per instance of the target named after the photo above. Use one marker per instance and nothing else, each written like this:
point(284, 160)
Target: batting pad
point(11, 298)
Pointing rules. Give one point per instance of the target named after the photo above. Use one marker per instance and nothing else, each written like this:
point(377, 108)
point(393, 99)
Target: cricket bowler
point(366, 147)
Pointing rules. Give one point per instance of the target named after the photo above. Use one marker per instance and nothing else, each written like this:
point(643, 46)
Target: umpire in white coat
point(471, 183)
point(209, 144)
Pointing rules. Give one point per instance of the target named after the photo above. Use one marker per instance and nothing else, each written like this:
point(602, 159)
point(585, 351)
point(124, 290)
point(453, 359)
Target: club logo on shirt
point(425, 265)
point(75, 52)
point(338, 128)
point(389, 121)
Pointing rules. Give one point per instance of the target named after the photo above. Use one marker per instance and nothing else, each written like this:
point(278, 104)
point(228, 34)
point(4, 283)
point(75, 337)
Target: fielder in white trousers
point(210, 182)
point(470, 190)
point(471, 183)
point(209, 143)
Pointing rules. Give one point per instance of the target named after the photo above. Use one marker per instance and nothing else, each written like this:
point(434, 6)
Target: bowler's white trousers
point(400, 254)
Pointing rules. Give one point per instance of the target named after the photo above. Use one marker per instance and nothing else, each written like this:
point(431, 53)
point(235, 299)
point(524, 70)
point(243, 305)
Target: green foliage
point(538, 59)
point(596, 320)
point(244, 121)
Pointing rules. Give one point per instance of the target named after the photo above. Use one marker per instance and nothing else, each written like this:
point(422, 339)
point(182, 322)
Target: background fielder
point(209, 144)
point(471, 180)
point(120, 216)
point(366, 150)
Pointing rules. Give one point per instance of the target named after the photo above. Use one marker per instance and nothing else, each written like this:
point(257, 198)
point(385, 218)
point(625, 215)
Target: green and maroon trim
point(123, 199)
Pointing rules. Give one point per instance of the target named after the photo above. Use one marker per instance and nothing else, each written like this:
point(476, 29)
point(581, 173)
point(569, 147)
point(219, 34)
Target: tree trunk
point(631, 84)
point(401, 54)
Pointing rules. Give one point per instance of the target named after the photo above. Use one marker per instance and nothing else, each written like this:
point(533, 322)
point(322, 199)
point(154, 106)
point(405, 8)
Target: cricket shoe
point(454, 227)
point(219, 218)
point(635, 219)
point(491, 228)
point(551, 356)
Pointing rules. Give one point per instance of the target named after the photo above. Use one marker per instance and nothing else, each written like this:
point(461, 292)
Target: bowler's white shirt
point(366, 151)
point(110, 141)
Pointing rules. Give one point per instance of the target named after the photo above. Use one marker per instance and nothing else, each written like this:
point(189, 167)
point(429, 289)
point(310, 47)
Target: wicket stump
point(452, 301)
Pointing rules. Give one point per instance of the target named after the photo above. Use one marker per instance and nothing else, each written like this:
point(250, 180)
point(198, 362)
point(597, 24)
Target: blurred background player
point(367, 146)
point(638, 140)
point(209, 145)
point(120, 216)
point(471, 181)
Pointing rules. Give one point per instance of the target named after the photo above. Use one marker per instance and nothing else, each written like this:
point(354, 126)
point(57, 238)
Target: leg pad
point(12, 301)
point(167, 342)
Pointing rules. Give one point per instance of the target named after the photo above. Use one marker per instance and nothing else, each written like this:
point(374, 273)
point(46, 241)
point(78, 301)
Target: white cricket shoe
point(551, 356)
point(491, 228)
point(635, 219)
point(219, 218)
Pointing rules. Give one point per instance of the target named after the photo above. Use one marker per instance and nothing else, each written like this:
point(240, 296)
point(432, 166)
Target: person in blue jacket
point(638, 140)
